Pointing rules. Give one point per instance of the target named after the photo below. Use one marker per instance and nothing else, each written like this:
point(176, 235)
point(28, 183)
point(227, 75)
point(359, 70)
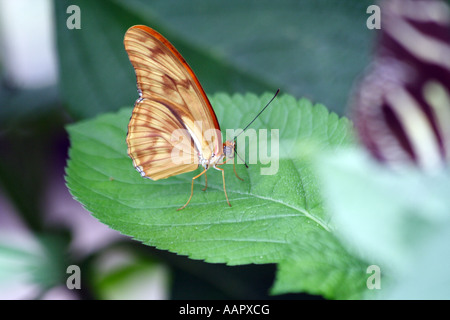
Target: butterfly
point(173, 128)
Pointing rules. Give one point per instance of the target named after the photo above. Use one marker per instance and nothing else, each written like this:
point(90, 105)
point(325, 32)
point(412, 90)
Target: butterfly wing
point(173, 124)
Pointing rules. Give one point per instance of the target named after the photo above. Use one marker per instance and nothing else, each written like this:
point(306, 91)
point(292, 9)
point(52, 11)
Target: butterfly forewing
point(173, 123)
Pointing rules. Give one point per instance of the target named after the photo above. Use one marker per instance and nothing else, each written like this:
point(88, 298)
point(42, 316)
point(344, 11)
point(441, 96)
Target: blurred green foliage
point(310, 49)
point(397, 219)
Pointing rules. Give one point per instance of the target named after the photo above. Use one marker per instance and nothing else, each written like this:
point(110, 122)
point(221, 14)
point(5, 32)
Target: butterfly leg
point(192, 190)
point(234, 167)
point(235, 173)
point(224, 189)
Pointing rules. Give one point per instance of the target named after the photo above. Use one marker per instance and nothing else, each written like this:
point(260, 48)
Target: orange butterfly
point(171, 100)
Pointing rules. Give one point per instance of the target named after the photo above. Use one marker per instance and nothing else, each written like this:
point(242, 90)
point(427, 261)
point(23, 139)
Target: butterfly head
point(229, 149)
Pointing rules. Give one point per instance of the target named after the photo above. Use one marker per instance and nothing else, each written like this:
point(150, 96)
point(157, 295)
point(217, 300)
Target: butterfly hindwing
point(168, 126)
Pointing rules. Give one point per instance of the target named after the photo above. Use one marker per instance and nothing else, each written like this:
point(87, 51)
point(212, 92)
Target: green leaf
point(96, 75)
point(269, 213)
point(320, 264)
point(267, 210)
point(310, 48)
point(285, 46)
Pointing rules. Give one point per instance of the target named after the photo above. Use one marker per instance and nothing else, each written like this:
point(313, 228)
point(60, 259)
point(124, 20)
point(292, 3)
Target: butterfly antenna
point(276, 93)
point(240, 158)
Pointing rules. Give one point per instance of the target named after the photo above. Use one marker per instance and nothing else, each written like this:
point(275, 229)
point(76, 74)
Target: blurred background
point(52, 76)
